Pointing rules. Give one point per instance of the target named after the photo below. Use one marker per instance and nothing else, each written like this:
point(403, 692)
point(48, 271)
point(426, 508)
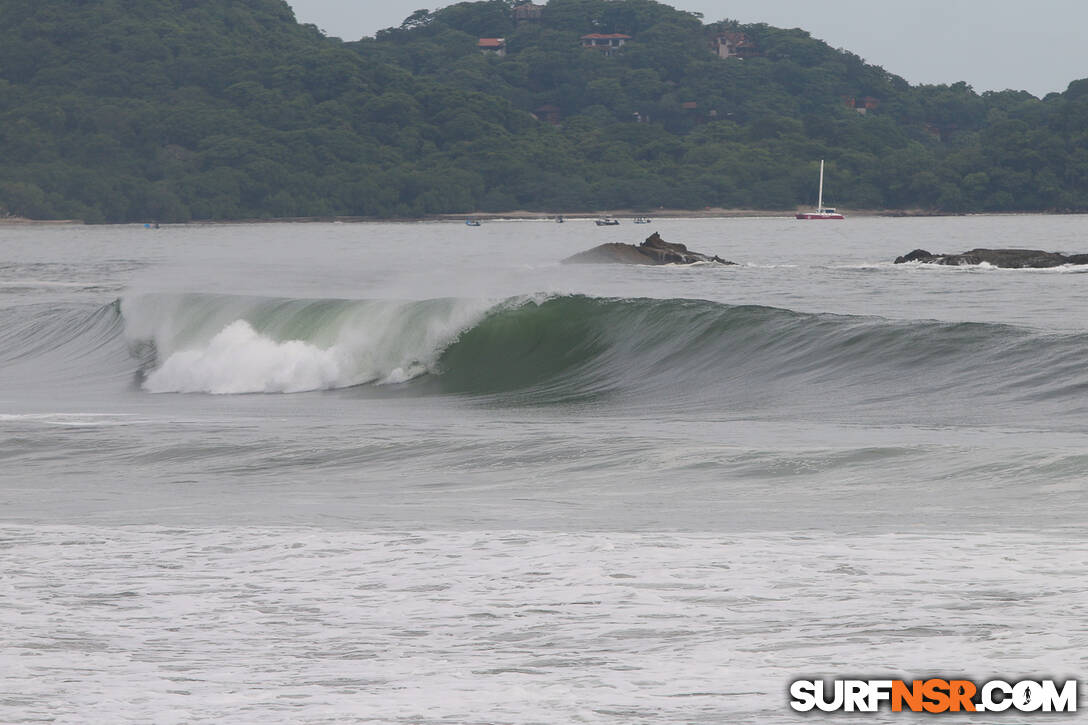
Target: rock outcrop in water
point(1007, 258)
point(654, 250)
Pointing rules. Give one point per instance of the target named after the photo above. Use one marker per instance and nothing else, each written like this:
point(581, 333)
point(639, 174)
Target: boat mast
point(820, 204)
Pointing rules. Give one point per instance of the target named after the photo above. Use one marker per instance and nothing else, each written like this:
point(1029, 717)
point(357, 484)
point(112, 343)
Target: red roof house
point(732, 44)
point(492, 45)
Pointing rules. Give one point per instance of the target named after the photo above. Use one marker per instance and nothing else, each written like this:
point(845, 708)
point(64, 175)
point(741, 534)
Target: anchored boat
point(821, 212)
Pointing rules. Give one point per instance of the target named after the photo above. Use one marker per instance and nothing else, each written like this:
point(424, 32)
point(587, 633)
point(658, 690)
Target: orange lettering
point(936, 692)
point(911, 695)
point(961, 693)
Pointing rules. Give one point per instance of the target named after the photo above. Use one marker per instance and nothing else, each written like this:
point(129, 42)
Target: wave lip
point(677, 356)
point(662, 356)
point(223, 344)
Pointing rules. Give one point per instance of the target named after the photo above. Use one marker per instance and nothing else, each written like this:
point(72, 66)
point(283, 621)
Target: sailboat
point(821, 212)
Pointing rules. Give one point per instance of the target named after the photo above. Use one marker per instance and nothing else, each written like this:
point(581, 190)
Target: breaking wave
point(225, 344)
point(667, 355)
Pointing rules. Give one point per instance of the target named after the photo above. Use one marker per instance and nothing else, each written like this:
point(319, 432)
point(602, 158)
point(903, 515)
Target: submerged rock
point(654, 250)
point(1007, 258)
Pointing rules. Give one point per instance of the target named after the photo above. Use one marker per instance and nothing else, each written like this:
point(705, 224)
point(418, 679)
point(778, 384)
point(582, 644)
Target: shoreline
point(522, 215)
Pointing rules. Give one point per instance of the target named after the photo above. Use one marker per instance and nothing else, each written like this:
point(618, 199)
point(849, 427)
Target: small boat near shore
point(472, 223)
point(607, 222)
point(821, 212)
point(643, 220)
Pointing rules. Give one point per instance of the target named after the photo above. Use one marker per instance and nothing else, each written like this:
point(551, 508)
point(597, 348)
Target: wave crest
point(665, 356)
point(225, 344)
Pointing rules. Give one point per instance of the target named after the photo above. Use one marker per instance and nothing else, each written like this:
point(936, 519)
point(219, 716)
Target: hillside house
point(496, 46)
point(942, 131)
point(862, 105)
point(732, 44)
point(607, 43)
point(528, 13)
point(694, 113)
point(549, 114)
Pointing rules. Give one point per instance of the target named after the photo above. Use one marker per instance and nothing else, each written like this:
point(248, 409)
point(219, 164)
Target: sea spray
point(240, 360)
point(665, 356)
point(229, 344)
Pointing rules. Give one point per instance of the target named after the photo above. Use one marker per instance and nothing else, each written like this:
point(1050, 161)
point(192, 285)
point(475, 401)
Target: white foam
point(78, 420)
point(209, 344)
point(239, 360)
point(701, 263)
point(142, 624)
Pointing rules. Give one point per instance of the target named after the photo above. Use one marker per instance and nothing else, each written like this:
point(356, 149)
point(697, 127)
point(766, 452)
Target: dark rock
point(918, 255)
point(1006, 258)
point(611, 253)
point(1009, 258)
point(654, 250)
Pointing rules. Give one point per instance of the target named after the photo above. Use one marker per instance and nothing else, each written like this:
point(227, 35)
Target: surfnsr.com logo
point(933, 696)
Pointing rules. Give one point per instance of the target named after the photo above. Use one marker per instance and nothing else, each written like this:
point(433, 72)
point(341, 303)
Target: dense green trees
point(117, 110)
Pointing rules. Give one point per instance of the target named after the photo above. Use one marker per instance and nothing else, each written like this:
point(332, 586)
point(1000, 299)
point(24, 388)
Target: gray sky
point(1037, 46)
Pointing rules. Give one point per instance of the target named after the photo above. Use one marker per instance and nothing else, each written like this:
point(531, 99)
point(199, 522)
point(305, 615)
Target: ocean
point(424, 473)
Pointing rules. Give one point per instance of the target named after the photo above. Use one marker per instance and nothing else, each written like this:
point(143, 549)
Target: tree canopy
point(172, 110)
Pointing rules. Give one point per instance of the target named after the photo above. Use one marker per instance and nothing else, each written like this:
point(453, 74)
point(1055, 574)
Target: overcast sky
point(1037, 46)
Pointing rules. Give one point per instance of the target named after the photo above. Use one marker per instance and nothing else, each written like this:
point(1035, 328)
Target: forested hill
point(171, 110)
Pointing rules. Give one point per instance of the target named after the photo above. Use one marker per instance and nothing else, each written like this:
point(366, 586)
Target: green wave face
point(666, 356)
point(671, 356)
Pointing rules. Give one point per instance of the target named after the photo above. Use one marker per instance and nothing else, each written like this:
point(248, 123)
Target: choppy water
point(423, 473)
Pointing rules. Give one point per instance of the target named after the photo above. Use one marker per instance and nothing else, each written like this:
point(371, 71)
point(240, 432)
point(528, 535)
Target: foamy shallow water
point(241, 625)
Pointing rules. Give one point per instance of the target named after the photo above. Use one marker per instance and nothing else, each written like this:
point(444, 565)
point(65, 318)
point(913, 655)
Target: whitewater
point(423, 473)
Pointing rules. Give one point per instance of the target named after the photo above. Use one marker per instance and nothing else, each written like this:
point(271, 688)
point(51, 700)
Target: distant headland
point(228, 111)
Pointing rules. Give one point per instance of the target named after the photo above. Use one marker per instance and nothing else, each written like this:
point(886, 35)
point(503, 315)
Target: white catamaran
point(821, 212)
